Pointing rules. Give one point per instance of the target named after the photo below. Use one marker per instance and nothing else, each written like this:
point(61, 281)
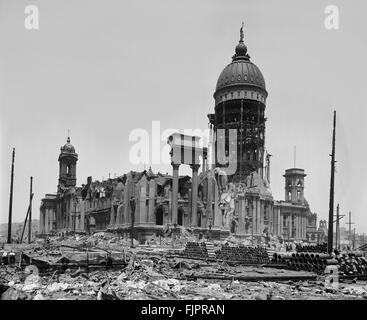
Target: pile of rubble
point(105, 267)
point(158, 277)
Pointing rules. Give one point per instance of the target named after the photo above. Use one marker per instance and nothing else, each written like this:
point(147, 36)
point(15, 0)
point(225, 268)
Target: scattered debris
point(103, 267)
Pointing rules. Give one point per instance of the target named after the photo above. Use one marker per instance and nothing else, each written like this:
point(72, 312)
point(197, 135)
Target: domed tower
point(240, 100)
point(67, 169)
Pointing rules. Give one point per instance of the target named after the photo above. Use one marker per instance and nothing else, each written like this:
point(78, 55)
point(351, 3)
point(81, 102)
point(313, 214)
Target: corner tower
point(294, 185)
point(240, 101)
point(67, 168)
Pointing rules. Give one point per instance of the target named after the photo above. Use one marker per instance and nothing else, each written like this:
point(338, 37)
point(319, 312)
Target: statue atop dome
point(241, 32)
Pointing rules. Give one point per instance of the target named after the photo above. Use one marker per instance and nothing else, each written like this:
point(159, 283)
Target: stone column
point(120, 208)
point(137, 193)
point(51, 219)
point(151, 208)
point(127, 193)
point(77, 219)
point(194, 208)
point(168, 217)
point(143, 201)
point(175, 194)
point(301, 226)
point(241, 215)
point(119, 213)
point(112, 216)
point(261, 217)
point(296, 225)
point(290, 220)
point(46, 223)
point(281, 224)
point(70, 213)
point(254, 215)
point(209, 199)
point(82, 215)
point(41, 221)
point(270, 217)
point(217, 212)
point(258, 216)
point(276, 217)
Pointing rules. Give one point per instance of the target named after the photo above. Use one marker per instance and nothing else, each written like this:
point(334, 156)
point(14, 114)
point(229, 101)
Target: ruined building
point(241, 203)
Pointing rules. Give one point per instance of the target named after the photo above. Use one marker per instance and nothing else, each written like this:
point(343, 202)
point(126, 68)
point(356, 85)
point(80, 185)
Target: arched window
point(298, 195)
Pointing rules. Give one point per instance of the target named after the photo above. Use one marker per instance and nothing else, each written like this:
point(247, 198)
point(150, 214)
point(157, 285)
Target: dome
point(68, 147)
point(240, 74)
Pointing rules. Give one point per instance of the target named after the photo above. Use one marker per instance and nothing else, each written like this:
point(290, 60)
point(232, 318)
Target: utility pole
point(11, 197)
point(337, 227)
point(350, 228)
point(337, 231)
point(331, 199)
point(30, 212)
point(26, 219)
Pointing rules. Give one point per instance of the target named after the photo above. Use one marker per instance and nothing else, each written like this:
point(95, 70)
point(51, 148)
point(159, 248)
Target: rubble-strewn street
point(104, 267)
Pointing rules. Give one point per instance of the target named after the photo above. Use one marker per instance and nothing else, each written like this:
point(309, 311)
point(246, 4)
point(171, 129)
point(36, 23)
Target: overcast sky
point(105, 68)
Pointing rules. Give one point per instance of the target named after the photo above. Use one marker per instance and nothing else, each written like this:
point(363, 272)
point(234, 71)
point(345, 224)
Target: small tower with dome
point(67, 165)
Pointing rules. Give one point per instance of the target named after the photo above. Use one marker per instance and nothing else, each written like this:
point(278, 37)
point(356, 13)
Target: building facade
point(232, 192)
